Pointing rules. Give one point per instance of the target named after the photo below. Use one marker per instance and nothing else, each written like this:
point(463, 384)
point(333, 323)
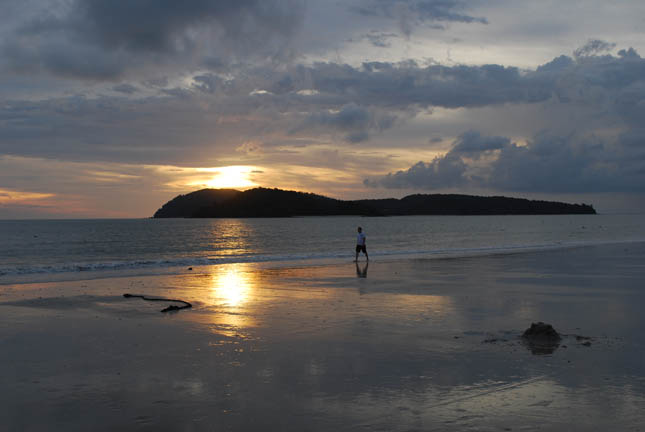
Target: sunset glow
point(414, 97)
point(233, 177)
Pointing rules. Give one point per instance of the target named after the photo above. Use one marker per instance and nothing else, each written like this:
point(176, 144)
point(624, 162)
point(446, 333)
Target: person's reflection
point(362, 272)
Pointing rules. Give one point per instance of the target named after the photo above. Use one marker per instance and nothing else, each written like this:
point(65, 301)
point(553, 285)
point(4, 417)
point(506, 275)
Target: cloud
point(550, 164)
point(440, 173)
point(15, 196)
point(105, 128)
point(450, 170)
point(250, 148)
point(473, 144)
point(207, 83)
point(597, 103)
point(379, 39)
point(103, 39)
point(593, 47)
point(411, 13)
point(579, 163)
point(353, 120)
point(125, 88)
point(406, 84)
point(410, 86)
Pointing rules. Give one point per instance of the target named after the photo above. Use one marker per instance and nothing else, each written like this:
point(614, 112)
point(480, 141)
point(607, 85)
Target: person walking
point(360, 244)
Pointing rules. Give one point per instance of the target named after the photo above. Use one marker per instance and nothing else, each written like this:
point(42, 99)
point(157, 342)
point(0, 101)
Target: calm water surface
point(32, 249)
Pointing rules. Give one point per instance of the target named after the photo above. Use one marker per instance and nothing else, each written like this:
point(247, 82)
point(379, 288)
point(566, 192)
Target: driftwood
point(169, 308)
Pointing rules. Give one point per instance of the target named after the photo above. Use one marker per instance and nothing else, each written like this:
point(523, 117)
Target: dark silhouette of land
point(263, 202)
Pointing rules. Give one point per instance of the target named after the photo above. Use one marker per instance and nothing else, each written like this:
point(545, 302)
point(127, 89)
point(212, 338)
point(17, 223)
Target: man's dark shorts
point(361, 248)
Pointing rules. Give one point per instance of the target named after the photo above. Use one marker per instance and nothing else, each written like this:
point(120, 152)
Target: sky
point(111, 108)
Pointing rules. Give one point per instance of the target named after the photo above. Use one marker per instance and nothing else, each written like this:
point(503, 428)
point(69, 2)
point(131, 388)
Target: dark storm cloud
point(161, 26)
point(445, 171)
point(410, 13)
point(57, 57)
point(440, 173)
point(403, 85)
point(609, 88)
point(102, 39)
point(551, 164)
point(474, 144)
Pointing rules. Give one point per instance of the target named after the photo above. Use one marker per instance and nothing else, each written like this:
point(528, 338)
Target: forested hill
point(263, 202)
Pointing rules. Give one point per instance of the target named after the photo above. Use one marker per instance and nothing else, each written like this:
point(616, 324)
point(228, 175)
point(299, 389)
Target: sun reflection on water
point(231, 237)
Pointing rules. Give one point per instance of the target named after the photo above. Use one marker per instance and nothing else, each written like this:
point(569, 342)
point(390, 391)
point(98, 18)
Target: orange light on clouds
point(15, 197)
point(111, 177)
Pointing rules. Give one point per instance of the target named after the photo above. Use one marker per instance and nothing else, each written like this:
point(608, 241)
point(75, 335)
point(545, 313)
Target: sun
point(231, 177)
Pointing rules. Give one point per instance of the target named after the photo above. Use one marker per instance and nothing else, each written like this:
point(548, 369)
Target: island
point(267, 202)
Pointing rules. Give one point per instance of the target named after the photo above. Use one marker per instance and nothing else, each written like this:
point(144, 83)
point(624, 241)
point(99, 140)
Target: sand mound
point(542, 332)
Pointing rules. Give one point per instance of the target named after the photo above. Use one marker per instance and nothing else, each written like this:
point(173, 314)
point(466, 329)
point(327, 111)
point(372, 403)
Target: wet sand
point(399, 346)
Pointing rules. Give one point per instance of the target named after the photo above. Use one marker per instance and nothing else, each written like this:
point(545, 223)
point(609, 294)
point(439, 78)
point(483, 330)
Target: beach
point(399, 345)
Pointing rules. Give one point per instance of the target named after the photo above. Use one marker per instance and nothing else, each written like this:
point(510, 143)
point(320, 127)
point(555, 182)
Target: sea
point(56, 250)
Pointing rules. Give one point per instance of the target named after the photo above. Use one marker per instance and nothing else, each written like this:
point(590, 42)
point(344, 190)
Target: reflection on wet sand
point(231, 297)
point(361, 271)
point(300, 349)
point(232, 286)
